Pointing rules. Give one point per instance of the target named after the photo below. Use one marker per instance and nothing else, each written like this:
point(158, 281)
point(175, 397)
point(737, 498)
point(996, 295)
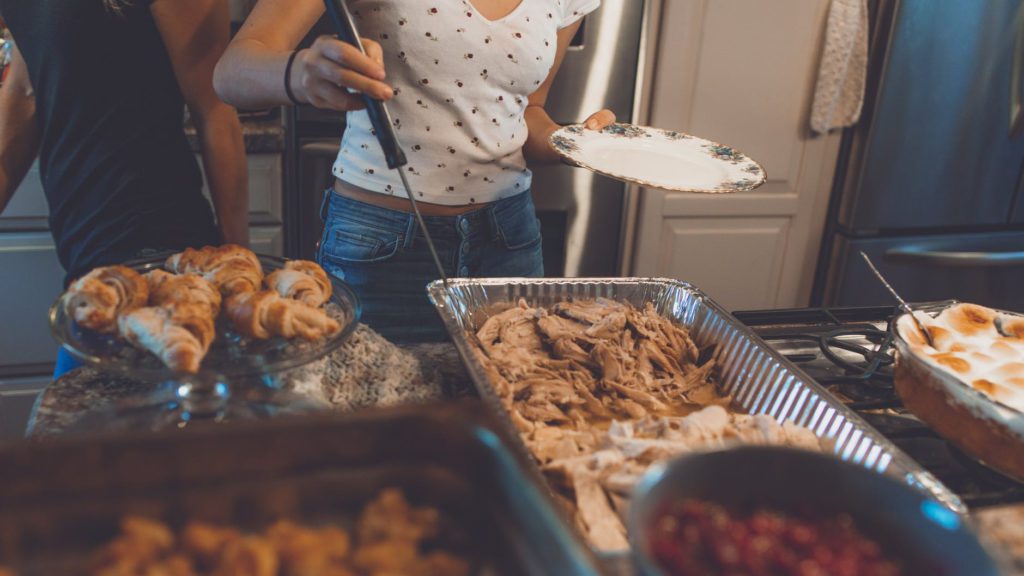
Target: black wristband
point(288, 78)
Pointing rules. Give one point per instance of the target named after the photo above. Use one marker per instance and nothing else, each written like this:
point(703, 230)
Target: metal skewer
point(381, 121)
point(903, 304)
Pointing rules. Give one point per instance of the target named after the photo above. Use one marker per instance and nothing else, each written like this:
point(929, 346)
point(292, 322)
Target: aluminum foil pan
point(760, 380)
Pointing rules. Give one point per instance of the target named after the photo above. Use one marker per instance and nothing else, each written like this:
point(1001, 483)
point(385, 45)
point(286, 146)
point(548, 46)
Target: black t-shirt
point(116, 166)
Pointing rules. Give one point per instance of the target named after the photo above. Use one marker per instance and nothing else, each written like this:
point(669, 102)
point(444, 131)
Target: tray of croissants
point(219, 309)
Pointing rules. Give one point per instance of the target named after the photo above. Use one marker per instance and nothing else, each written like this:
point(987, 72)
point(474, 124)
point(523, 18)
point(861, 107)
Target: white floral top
point(461, 86)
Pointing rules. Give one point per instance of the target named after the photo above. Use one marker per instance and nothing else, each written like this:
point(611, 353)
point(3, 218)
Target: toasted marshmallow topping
point(968, 346)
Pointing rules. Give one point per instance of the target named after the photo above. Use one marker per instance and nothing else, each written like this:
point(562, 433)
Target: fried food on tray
point(391, 537)
point(166, 289)
point(600, 390)
point(98, 298)
point(304, 551)
point(231, 268)
point(204, 542)
point(301, 280)
point(143, 545)
point(180, 335)
point(265, 314)
point(247, 556)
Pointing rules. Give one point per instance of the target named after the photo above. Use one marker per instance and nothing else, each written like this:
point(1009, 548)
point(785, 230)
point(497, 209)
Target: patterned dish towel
point(839, 94)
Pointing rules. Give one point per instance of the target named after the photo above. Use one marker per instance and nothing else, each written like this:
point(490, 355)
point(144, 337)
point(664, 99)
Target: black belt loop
point(325, 203)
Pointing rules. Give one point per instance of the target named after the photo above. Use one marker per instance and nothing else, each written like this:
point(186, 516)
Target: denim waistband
point(484, 219)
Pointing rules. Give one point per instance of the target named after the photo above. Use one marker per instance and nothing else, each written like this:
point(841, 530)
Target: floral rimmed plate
point(659, 158)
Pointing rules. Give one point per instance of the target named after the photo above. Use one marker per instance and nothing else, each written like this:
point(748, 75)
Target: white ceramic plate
point(659, 158)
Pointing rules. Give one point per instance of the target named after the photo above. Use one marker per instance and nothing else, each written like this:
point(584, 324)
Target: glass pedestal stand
point(183, 402)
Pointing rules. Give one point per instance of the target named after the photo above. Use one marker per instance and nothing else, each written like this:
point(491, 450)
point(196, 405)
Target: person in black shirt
point(97, 89)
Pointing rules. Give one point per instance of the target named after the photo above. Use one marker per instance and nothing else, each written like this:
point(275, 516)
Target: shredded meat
point(600, 358)
point(619, 457)
point(600, 390)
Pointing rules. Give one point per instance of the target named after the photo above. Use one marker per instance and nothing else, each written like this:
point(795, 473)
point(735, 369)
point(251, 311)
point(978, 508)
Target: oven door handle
point(920, 256)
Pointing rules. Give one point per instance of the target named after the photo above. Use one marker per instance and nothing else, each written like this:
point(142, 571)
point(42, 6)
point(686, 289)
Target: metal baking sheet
point(760, 380)
point(60, 500)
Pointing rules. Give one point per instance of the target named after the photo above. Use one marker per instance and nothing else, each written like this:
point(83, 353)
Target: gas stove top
point(849, 352)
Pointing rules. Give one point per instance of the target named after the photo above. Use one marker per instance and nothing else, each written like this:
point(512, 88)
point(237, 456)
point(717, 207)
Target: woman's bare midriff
point(401, 204)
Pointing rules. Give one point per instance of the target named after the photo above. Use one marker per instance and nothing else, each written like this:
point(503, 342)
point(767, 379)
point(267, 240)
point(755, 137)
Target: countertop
point(367, 371)
point(263, 134)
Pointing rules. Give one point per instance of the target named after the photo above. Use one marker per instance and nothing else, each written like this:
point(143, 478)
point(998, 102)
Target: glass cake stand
point(239, 379)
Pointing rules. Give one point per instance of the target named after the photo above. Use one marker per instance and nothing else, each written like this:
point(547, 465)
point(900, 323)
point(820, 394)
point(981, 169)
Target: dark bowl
point(925, 536)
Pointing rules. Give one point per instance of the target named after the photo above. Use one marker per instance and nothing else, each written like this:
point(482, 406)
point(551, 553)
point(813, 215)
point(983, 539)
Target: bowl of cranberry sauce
point(779, 511)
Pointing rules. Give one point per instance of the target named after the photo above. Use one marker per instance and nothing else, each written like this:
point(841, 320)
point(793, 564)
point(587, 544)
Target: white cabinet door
point(265, 185)
point(735, 259)
point(31, 280)
point(741, 72)
point(267, 240)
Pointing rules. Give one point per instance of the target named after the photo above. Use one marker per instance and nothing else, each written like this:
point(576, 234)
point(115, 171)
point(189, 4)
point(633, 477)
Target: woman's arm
point(539, 124)
point(252, 72)
point(195, 33)
point(19, 132)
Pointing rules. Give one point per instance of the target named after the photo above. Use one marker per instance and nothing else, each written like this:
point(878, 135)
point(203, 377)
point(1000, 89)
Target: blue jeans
point(65, 363)
point(381, 253)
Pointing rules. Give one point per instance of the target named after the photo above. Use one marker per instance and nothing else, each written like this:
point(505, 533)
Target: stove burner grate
point(859, 357)
point(849, 351)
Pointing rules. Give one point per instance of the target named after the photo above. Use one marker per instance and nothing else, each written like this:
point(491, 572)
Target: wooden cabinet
point(741, 72)
point(265, 184)
point(266, 214)
point(733, 259)
point(267, 240)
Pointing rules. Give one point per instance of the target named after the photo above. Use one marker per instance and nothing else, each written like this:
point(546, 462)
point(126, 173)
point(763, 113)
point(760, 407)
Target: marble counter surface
point(367, 371)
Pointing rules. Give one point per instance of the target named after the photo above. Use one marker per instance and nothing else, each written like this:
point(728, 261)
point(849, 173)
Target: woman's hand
point(323, 74)
point(599, 120)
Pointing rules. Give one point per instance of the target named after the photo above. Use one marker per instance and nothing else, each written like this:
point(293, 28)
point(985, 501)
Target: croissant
point(166, 288)
point(231, 268)
point(301, 280)
point(96, 299)
point(180, 335)
point(264, 314)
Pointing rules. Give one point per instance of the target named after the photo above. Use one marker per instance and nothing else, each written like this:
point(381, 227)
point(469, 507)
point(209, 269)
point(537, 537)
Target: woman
point(465, 84)
point(97, 89)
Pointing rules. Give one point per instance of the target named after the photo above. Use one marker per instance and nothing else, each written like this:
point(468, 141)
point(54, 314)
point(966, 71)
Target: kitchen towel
point(839, 94)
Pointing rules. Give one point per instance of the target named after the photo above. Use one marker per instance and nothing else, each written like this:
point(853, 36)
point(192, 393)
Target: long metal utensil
point(381, 121)
point(903, 304)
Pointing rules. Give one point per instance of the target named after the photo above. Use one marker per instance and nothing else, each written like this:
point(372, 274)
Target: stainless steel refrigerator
point(581, 214)
point(929, 183)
